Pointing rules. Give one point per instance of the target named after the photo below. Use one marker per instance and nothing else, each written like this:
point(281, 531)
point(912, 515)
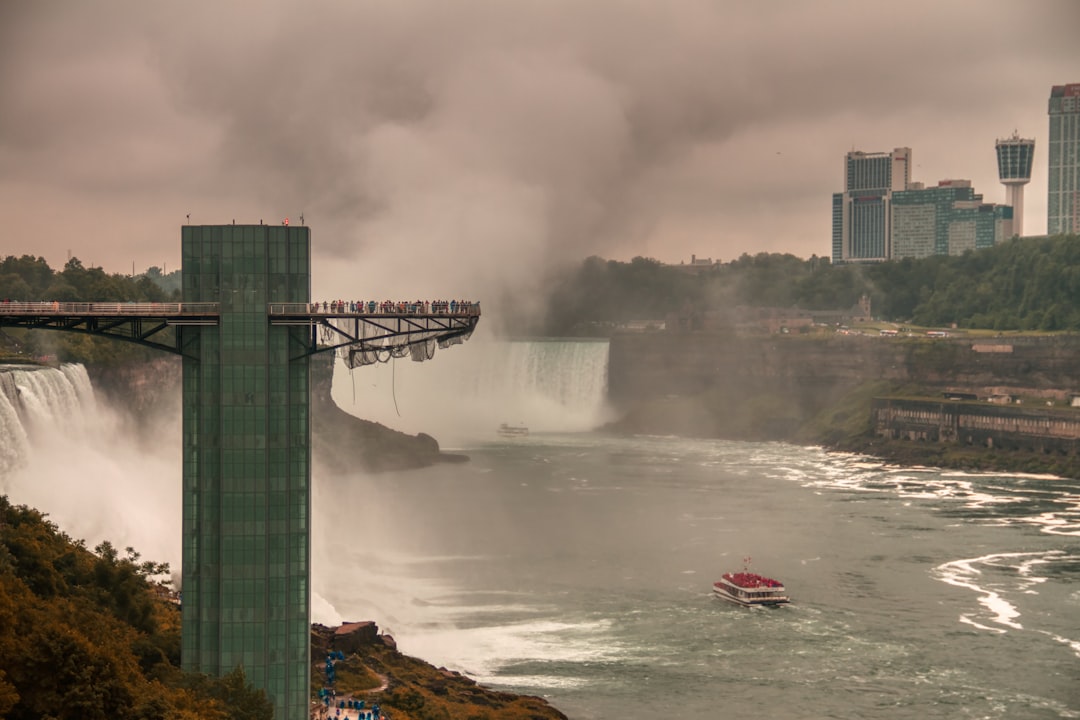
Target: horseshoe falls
point(465, 392)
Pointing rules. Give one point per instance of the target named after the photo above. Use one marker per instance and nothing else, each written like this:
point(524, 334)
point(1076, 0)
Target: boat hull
point(725, 594)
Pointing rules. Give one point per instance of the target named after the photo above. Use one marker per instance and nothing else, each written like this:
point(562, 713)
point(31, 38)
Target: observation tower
point(1014, 156)
point(246, 329)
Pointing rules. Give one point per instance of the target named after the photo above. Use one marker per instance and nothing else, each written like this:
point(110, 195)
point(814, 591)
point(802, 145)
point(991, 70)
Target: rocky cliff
point(149, 394)
point(819, 389)
point(659, 364)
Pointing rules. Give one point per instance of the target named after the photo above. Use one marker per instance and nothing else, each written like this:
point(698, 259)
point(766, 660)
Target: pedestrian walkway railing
point(142, 309)
point(457, 308)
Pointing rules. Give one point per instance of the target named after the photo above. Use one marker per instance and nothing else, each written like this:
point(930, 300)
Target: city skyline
point(496, 140)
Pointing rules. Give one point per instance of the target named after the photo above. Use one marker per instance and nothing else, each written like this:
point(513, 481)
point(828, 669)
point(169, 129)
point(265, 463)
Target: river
point(579, 566)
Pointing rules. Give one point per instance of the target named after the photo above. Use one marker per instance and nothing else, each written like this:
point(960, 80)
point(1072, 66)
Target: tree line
point(29, 278)
point(1020, 284)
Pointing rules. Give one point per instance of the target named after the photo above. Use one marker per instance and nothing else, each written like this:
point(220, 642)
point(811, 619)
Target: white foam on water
point(979, 492)
point(1073, 645)
point(483, 652)
point(966, 573)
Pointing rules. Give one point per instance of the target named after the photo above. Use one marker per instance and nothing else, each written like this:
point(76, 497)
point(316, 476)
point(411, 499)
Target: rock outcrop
point(149, 393)
point(371, 669)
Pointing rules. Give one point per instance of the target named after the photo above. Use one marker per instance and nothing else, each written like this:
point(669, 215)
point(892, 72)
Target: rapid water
point(578, 566)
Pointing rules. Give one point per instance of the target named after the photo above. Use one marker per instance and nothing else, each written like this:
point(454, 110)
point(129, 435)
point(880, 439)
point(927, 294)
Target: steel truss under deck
point(149, 324)
point(382, 334)
point(389, 332)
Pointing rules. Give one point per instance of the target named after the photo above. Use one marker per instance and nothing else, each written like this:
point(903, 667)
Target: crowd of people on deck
point(752, 580)
point(414, 307)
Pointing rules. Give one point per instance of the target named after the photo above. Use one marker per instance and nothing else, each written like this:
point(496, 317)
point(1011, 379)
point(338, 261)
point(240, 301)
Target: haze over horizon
point(456, 149)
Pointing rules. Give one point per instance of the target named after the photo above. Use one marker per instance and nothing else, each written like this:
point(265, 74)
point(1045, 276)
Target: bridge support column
point(247, 463)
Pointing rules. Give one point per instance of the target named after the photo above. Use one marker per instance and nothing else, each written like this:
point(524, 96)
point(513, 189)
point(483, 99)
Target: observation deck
point(245, 331)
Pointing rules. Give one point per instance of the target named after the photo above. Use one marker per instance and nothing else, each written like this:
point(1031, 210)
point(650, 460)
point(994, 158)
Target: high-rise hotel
point(862, 214)
point(884, 215)
point(1063, 202)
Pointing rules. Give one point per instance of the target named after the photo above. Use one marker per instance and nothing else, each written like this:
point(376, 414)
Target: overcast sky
point(445, 148)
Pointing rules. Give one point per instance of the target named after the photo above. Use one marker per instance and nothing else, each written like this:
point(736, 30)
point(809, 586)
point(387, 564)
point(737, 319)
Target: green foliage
point(84, 635)
point(605, 292)
point(1020, 284)
point(29, 278)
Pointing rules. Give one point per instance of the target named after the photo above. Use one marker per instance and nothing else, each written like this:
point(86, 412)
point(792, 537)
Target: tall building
point(247, 464)
point(1063, 201)
point(948, 219)
point(862, 213)
point(1014, 156)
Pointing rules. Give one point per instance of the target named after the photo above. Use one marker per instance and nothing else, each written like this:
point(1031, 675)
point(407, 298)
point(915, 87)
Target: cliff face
point(147, 394)
point(714, 385)
point(150, 392)
point(343, 442)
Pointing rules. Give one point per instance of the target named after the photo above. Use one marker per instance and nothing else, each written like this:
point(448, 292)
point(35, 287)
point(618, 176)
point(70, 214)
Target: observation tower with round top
point(1014, 156)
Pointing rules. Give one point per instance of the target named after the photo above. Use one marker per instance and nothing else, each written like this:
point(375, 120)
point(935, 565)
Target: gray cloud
point(453, 148)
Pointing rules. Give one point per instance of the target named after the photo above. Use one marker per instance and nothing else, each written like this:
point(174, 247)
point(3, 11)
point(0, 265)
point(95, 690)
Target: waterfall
point(40, 401)
point(464, 393)
point(69, 456)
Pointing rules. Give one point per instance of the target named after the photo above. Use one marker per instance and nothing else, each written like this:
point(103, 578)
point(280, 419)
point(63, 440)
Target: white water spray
point(467, 391)
point(65, 454)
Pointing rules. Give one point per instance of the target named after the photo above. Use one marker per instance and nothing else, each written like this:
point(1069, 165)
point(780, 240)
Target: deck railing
point(108, 308)
point(438, 307)
point(387, 307)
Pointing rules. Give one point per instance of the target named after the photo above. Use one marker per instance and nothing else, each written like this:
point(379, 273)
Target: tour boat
point(750, 589)
point(513, 430)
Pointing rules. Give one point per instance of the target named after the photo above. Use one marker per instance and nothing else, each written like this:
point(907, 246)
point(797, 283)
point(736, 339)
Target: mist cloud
point(456, 148)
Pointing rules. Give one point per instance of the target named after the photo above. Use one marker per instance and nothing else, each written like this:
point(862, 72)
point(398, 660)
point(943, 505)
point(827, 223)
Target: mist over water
point(70, 456)
point(460, 397)
point(466, 391)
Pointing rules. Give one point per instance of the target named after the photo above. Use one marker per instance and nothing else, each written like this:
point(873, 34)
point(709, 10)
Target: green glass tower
point(247, 464)
point(948, 219)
